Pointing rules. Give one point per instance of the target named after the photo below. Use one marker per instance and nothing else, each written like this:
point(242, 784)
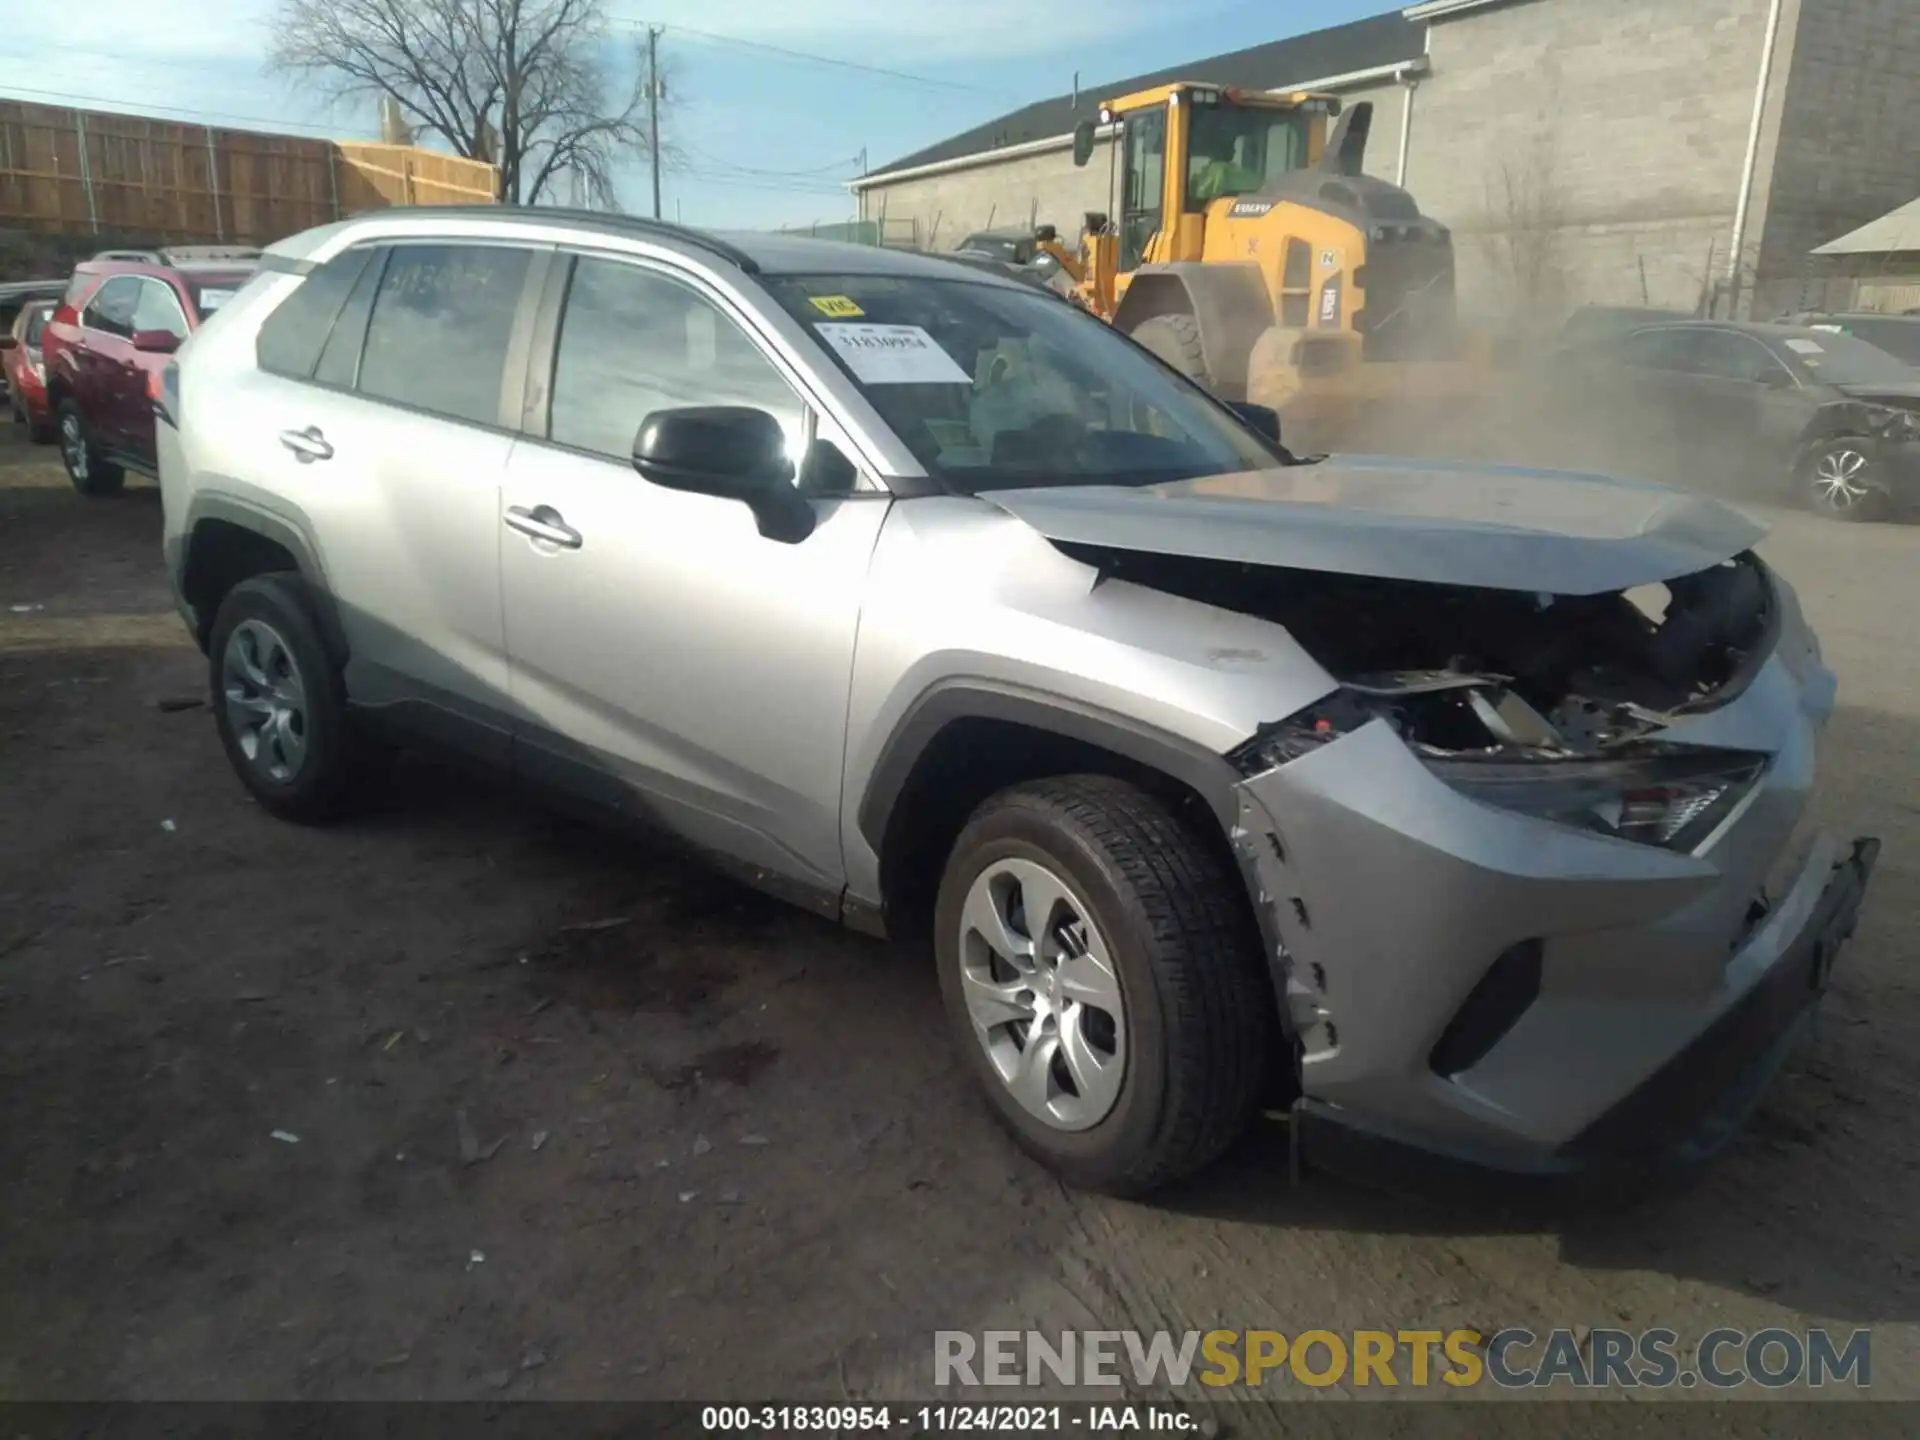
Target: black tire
point(1840, 450)
point(324, 783)
point(1199, 1021)
point(91, 475)
point(1176, 340)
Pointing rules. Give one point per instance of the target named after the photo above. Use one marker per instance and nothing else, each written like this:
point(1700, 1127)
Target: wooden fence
point(91, 172)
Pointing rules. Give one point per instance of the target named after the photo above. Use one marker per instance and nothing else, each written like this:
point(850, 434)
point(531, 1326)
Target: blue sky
point(767, 138)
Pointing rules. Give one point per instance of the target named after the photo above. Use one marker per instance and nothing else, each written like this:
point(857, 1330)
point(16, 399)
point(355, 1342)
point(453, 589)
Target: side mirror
point(732, 452)
point(1095, 222)
point(1082, 143)
point(155, 342)
point(1776, 378)
point(1264, 420)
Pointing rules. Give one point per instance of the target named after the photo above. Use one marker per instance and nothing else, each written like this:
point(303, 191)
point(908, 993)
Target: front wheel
point(91, 475)
point(1839, 480)
point(1103, 977)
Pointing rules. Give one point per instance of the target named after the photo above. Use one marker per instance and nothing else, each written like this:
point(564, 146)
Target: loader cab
point(1183, 147)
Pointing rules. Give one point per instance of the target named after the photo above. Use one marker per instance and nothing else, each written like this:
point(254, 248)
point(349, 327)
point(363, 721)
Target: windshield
point(1236, 149)
point(1899, 338)
point(1834, 359)
point(996, 388)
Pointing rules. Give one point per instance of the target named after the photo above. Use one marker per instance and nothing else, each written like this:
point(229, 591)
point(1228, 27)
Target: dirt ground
point(577, 1119)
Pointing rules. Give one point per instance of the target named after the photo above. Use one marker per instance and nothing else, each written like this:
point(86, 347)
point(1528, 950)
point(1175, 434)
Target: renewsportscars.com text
point(1515, 1358)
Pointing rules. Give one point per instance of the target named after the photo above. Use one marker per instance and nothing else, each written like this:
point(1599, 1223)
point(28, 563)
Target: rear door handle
point(543, 522)
point(307, 445)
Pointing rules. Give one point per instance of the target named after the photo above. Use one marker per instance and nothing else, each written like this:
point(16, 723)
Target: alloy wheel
point(1839, 476)
point(1043, 994)
point(266, 700)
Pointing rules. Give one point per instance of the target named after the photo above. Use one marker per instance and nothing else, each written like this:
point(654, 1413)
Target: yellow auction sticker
point(838, 306)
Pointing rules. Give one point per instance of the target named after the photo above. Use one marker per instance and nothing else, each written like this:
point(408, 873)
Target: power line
point(809, 58)
point(774, 173)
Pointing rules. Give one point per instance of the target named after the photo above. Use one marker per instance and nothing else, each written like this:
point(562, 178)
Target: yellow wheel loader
point(1252, 254)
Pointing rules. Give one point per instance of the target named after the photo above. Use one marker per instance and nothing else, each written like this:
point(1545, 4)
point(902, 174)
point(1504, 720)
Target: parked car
point(15, 295)
point(1771, 412)
point(115, 329)
point(1217, 777)
point(26, 373)
point(1898, 335)
point(1602, 322)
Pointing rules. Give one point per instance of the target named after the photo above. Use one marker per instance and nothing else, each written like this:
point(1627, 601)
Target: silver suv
point(1458, 805)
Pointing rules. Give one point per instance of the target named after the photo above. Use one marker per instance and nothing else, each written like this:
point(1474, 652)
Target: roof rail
point(145, 257)
point(603, 220)
point(195, 254)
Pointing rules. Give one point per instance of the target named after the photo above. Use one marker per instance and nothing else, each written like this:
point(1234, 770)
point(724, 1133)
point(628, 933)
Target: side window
point(292, 337)
point(1732, 357)
point(1143, 198)
point(111, 309)
point(1657, 350)
point(158, 308)
point(440, 329)
point(633, 341)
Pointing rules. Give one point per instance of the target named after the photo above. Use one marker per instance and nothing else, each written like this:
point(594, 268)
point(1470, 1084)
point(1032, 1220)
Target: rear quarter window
point(292, 337)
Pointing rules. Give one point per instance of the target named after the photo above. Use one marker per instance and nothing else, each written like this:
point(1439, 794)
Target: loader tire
point(1273, 369)
point(1176, 340)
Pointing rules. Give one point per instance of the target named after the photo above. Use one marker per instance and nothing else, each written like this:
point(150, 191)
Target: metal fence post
point(86, 171)
point(213, 185)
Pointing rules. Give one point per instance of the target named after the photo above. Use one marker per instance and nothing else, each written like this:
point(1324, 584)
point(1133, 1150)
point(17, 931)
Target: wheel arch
point(963, 740)
point(1229, 303)
point(226, 540)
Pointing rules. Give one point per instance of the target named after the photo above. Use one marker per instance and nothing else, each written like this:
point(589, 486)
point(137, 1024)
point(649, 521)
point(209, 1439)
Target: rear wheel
point(90, 474)
point(1839, 480)
point(1104, 979)
point(1176, 340)
point(279, 702)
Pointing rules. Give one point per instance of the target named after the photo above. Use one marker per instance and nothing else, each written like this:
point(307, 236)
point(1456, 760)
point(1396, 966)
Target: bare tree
point(1527, 216)
point(526, 84)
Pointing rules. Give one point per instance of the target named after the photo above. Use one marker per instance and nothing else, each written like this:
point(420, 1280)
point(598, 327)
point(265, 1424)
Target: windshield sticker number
point(893, 355)
point(840, 307)
point(1805, 347)
point(212, 300)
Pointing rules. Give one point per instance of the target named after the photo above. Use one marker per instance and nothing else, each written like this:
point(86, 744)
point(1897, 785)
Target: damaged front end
point(1513, 866)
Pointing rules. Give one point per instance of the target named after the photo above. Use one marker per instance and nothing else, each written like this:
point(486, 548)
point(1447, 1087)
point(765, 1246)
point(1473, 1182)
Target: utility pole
point(653, 109)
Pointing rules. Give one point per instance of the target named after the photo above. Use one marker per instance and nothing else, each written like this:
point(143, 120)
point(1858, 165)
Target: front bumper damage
point(1529, 996)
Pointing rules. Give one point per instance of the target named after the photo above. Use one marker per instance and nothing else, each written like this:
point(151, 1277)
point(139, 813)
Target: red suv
point(26, 374)
point(109, 342)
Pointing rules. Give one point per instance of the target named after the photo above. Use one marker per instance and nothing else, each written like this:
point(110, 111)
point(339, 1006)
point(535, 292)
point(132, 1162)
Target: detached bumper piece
point(1696, 1101)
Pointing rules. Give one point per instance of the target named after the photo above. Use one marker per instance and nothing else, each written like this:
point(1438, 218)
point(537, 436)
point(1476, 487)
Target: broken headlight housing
point(1673, 799)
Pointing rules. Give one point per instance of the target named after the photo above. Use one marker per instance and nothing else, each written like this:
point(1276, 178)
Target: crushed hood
point(1493, 527)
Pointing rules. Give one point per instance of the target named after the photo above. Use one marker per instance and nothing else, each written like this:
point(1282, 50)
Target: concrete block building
point(1670, 153)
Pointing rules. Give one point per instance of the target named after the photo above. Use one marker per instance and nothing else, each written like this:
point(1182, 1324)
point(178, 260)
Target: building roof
point(1892, 234)
point(1383, 40)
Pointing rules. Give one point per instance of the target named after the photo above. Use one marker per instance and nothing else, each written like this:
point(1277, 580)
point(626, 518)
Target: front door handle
point(543, 522)
point(307, 445)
